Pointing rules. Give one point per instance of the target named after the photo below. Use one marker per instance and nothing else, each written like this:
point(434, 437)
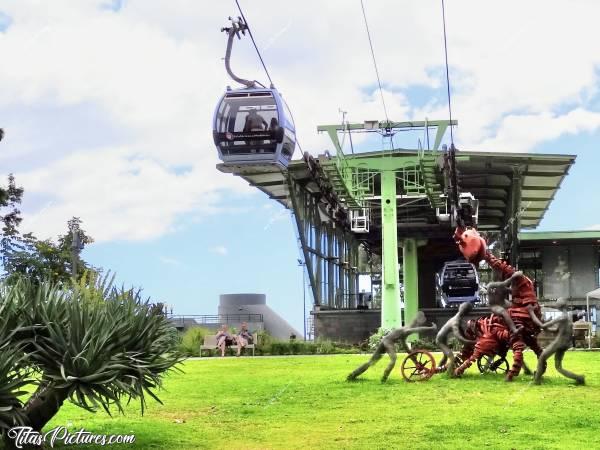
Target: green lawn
point(304, 402)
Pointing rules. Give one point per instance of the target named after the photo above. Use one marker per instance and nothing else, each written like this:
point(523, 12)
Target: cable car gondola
point(458, 282)
point(252, 126)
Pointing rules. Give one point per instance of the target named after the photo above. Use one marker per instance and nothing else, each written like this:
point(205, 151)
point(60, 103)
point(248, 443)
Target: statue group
point(514, 324)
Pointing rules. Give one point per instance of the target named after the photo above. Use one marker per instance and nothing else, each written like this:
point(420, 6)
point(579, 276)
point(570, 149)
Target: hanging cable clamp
point(237, 25)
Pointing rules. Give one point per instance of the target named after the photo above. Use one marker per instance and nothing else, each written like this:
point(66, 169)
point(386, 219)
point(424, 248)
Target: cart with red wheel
point(419, 365)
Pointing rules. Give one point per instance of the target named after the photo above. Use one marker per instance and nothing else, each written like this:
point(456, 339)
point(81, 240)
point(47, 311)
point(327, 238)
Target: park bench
point(210, 343)
point(581, 333)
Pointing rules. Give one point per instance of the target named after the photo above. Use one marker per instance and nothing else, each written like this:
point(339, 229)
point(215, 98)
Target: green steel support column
point(330, 266)
point(354, 273)
point(410, 264)
point(391, 314)
point(319, 239)
point(515, 220)
point(341, 255)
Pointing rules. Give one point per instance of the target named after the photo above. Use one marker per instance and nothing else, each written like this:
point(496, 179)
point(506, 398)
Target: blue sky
point(107, 108)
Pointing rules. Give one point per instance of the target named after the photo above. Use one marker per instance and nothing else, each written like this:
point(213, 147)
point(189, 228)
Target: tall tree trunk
point(43, 405)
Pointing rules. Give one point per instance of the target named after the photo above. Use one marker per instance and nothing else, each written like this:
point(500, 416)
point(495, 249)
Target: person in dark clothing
point(255, 122)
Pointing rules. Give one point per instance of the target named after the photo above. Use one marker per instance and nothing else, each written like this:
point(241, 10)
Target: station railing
point(181, 320)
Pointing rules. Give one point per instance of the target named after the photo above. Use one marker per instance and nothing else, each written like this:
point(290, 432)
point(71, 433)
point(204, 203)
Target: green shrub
point(192, 339)
point(375, 339)
point(295, 347)
point(263, 343)
point(278, 348)
point(425, 343)
point(325, 347)
point(429, 344)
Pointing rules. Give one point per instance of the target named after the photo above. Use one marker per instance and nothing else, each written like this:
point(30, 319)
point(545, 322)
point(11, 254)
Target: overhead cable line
point(260, 57)
point(447, 74)
point(374, 63)
point(254, 42)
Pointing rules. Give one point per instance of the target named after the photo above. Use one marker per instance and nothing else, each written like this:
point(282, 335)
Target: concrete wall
point(355, 326)
point(348, 326)
point(440, 316)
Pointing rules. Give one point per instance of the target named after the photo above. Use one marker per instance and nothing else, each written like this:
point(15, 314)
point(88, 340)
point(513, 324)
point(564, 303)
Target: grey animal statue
point(497, 294)
point(497, 300)
point(560, 344)
point(388, 345)
point(452, 326)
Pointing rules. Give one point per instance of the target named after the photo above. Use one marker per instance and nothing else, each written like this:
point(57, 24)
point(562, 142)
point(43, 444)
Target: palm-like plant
point(94, 345)
point(12, 375)
point(11, 383)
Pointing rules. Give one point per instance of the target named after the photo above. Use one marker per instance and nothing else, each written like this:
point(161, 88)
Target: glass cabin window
point(288, 114)
point(246, 123)
point(234, 112)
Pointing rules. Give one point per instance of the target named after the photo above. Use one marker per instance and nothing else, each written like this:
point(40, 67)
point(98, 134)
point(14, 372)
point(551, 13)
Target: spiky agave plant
point(12, 381)
point(14, 374)
point(96, 346)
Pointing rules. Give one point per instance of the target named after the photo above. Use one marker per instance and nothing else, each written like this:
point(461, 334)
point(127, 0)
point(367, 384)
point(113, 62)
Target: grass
point(304, 402)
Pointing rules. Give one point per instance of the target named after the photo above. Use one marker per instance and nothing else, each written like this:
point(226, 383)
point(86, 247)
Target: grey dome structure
point(274, 324)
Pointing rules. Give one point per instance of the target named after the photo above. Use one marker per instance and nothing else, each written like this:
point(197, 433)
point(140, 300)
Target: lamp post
point(303, 265)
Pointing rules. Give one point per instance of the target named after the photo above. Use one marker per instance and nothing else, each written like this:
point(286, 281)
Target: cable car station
point(392, 204)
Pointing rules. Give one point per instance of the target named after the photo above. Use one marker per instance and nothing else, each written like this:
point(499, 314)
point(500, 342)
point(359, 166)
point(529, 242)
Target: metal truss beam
point(330, 251)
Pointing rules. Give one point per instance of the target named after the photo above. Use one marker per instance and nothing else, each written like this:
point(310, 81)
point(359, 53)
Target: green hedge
point(192, 339)
point(322, 347)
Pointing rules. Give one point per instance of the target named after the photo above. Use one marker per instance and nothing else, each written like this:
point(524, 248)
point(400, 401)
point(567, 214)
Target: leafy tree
point(10, 198)
point(38, 259)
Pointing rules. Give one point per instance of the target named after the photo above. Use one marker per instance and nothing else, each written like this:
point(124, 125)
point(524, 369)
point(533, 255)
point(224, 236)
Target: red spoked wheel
point(419, 365)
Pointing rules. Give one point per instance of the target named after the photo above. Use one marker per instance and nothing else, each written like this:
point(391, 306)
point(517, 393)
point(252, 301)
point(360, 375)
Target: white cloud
point(151, 74)
point(220, 250)
point(171, 261)
point(277, 216)
point(522, 132)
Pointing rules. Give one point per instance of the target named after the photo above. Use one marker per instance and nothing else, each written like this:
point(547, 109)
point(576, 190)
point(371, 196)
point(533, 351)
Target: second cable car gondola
point(252, 126)
point(457, 282)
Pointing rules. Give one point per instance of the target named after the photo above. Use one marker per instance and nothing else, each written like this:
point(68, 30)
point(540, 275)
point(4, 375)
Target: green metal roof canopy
point(552, 237)
point(494, 179)
point(490, 177)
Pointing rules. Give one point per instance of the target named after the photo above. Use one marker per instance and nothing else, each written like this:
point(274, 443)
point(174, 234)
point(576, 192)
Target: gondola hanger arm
point(237, 26)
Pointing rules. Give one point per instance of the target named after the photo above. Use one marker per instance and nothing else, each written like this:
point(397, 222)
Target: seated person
point(224, 339)
point(255, 122)
point(244, 338)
